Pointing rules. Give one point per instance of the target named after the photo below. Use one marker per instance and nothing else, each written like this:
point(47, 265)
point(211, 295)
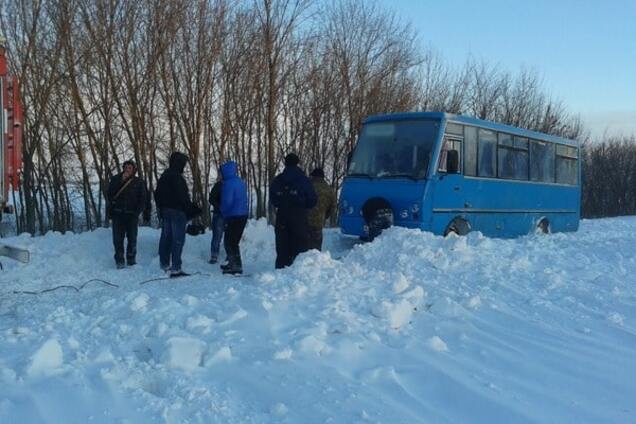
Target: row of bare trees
point(249, 80)
point(609, 178)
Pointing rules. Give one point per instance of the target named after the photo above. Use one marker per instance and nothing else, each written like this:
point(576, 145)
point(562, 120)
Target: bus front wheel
point(458, 226)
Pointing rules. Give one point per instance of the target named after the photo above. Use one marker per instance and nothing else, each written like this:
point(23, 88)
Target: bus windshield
point(394, 149)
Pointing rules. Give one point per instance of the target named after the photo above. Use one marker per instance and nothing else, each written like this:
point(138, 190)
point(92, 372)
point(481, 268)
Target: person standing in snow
point(217, 219)
point(324, 208)
point(126, 200)
point(175, 209)
point(293, 195)
point(234, 209)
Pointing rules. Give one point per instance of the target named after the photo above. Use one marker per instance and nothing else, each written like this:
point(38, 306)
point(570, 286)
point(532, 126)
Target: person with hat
point(175, 209)
point(323, 210)
point(293, 195)
point(126, 199)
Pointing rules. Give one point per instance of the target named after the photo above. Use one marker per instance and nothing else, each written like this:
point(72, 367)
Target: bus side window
point(470, 151)
point(487, 153)
point(451, 153)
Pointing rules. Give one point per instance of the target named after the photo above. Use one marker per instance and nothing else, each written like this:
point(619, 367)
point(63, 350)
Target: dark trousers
point(315, 238)
point(217, 234)
point(234, 227)
point(172, 238)
point(125, 227)
point(292, 237)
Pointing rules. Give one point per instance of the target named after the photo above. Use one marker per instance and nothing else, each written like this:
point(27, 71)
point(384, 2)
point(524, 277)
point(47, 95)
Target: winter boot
point(213, 260)
point(130, 261)
point(120, 265)
point(176, 273)
point(234, 266)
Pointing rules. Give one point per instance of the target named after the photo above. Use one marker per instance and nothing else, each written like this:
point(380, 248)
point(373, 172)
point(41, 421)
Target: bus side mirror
point(452, 162)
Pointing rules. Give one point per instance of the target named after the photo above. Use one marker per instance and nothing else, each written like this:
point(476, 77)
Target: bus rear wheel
point(543, 227)
point(458, 226)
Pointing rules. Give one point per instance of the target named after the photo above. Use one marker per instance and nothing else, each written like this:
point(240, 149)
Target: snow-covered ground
point(411, 328)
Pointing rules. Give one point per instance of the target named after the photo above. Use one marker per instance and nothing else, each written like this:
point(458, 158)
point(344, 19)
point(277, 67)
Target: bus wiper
point(409, 176)
point(359, 174)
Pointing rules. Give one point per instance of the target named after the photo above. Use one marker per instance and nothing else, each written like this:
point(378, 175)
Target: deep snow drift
point(411, 328)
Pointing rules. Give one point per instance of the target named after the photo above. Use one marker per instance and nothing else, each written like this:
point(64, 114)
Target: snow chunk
point(279, 409)
point(437, 344)
point(140, 303)
point(313, 344)
point(267, 277)
point(397, 314)
point(189, 300)
point(73, 343)
point(474, 302)
point(47, 360)
point(184, 353)
point(616, 318)
point(200, 323)
point(283, 354)
point(222, 355)
point(401, 284)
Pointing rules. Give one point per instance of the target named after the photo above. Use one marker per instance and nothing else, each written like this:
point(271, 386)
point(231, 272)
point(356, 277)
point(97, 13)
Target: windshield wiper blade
point(409, 176)
point(359, 174)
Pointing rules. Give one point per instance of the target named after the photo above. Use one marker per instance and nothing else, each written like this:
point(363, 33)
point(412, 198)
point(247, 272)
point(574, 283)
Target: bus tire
point(458, 226)
point(378, 216)
point(543, 227)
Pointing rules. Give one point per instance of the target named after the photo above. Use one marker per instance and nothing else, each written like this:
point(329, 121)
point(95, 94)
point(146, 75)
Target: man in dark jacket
point(126, 200)
point(173, 203)
point(292, 194)
point(234, 209)
point(323, 210)
point(217, 220)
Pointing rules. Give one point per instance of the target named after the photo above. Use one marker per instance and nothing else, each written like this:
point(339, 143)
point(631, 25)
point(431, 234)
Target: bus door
point(449, 198)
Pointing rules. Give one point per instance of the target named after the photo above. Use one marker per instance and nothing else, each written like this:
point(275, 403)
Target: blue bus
point(447, 173)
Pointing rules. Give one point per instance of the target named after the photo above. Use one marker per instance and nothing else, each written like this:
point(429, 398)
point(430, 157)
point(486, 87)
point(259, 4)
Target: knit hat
point(318, 172)
point(292, 160)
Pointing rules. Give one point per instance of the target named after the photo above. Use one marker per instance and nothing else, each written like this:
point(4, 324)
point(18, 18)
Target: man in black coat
point(217, 220)
point(293, 195)
point(175, 209)
point(126, 200)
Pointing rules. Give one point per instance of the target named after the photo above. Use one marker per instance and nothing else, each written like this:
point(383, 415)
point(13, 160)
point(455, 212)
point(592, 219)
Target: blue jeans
point(217, 234)
point(172, 238)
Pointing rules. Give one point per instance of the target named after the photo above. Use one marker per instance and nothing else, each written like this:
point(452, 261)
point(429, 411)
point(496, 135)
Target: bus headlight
point(415, 208)
point(404, 214)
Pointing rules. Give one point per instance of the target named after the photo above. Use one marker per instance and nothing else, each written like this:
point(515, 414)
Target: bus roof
point(490, 125)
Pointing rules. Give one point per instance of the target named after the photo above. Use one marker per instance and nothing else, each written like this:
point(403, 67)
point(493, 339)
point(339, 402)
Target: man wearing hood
point(234, 209)
point(293, 195)
point(126, 200)
point(173, 202)
point(323, 210)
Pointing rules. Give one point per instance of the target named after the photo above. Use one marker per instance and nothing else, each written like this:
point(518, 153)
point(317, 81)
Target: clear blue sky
point(585, 50)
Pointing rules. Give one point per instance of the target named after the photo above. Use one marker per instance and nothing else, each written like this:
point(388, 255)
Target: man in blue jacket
point(234, 209)
point(293, 195)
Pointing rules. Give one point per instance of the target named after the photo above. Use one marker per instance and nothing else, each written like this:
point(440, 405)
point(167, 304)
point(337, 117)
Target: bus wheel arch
point(458, 226)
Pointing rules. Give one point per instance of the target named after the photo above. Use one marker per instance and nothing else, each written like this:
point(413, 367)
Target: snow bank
point(410, 328)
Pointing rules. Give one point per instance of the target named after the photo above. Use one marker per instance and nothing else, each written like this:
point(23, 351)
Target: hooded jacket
point(172, 190)
point(233, 192)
